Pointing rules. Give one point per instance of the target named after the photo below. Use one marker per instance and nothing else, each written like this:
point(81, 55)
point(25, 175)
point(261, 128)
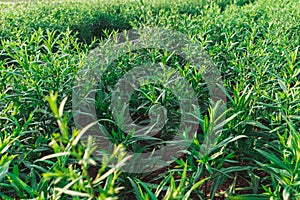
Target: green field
point(254, 44)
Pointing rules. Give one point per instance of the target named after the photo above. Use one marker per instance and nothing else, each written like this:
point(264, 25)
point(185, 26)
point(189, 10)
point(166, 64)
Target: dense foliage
point(254, 43)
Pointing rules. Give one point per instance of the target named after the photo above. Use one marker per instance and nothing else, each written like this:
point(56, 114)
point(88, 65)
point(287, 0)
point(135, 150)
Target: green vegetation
point(255, 45)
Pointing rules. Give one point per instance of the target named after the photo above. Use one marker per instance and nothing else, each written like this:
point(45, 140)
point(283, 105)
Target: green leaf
point(283, 86)
point(249, 197)
point(275, 160)
point(149, 192)
point(136, 188)
point(234, 169)
point(20, 184)
point(4, 169)
point(195, 186)
point(54, 156)
point(257, 124)
point(72, 193)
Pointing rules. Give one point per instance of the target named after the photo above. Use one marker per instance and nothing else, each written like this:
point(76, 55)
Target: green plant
point(44, 44)
point(284, 166)
point(64, 178)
